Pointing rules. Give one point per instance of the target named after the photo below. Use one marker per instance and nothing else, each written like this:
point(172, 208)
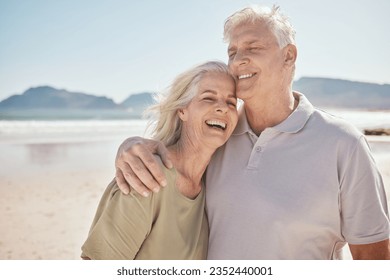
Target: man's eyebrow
point(252, 42)
point(233, 48)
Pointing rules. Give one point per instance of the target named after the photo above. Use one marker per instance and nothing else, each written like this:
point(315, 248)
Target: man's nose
point(240, 59)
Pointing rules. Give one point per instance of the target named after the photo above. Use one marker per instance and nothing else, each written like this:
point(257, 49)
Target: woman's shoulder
point(170, 176)
point(169, 173)
point(113, 190)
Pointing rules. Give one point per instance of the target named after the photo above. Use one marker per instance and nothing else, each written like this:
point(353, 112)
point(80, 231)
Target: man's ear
point(183, 115)
point(290, 54)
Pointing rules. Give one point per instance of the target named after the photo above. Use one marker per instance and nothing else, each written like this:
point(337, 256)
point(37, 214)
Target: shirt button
point(258, 149)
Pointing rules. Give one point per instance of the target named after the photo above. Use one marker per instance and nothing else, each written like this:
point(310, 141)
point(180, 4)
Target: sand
point(49, 194)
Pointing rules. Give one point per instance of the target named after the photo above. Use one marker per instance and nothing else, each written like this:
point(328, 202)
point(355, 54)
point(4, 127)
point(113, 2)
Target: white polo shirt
point(301, 190)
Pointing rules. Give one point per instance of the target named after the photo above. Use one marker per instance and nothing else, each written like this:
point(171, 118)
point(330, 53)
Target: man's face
point(255, 60)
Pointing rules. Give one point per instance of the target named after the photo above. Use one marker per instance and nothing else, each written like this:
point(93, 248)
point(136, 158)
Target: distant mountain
point(137, 103)
point(46, 102)
point(46, 97)
point(50, 103)
point(335, 93)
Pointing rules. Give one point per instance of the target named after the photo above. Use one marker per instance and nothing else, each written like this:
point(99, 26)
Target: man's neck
point(271, 112)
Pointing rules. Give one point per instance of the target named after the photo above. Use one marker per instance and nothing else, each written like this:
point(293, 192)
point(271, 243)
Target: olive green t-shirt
point(165, 225)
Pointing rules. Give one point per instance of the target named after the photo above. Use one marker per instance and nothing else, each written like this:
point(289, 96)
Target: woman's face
point(212, 115)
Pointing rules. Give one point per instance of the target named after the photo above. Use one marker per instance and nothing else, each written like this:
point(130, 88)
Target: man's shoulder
point(327, 123)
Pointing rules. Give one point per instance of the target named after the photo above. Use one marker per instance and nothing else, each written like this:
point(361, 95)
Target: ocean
point(65, 131)
point(87, 130)
point(364, 119)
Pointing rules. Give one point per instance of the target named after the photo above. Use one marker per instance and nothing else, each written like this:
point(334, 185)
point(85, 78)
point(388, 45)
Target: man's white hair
point(278, 23)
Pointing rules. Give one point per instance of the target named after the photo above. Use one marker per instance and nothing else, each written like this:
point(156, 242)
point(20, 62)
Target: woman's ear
point(183, 115)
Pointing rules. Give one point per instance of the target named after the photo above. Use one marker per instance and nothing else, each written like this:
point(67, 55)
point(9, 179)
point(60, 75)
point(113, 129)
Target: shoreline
point(377, 131)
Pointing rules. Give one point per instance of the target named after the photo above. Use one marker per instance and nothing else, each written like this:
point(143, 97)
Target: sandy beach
point(49, 194)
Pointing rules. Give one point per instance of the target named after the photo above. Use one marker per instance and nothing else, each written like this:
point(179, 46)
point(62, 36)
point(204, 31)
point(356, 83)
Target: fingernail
point(145, 194)
point(163, 183)
point(156, 190)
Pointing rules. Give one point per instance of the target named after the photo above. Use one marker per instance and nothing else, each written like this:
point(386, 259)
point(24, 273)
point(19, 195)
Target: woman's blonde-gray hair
point(277, 22)
point(165, 122)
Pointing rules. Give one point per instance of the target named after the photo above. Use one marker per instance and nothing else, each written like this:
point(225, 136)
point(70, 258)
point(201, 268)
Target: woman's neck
point(190, 160)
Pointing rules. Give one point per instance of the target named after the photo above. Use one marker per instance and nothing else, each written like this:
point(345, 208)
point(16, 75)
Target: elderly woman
point(197, 116)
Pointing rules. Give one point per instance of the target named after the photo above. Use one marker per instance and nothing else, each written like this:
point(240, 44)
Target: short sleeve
point(364, 210)
point(121, 224)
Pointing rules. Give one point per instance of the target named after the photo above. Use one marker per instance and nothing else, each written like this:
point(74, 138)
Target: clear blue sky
point(116, 48)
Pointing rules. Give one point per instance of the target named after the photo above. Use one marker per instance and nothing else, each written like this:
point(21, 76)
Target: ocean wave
point(75, 130)
point(48, 131)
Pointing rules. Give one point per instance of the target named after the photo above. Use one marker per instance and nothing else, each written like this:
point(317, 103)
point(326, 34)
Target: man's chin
point(243, 93)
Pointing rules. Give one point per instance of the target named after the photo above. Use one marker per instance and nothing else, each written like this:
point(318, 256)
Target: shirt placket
point(259, 148)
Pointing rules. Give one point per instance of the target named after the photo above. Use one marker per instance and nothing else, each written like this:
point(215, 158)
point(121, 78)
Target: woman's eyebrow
point(215, 93)
point(209, 91)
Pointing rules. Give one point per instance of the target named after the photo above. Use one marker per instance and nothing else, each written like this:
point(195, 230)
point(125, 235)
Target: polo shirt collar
point(297, 120)
point(293, 124)
point(242, 124)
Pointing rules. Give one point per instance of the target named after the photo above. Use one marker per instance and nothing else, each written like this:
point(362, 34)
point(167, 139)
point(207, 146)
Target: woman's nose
point(221, 107)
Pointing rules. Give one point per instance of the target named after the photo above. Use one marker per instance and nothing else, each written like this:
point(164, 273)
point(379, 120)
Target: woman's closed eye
point(208, 98)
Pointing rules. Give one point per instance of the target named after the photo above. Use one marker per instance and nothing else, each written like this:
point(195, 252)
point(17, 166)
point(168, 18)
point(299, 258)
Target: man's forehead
point(250, 33)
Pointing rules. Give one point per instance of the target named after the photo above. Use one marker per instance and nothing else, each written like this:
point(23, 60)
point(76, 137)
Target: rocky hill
point(46, 97)
point(335, 93)
point(137, 103)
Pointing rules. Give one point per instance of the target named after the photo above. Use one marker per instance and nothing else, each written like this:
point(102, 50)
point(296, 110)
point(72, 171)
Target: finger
point(134, 182)
point(142, 173)
point(134, 169)
point(139, 158)
point(121, 182)
point(150, 166)
point(154, 170)
point(163, 152)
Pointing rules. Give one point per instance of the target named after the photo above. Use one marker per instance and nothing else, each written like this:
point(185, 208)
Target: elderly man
point(292, 182)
